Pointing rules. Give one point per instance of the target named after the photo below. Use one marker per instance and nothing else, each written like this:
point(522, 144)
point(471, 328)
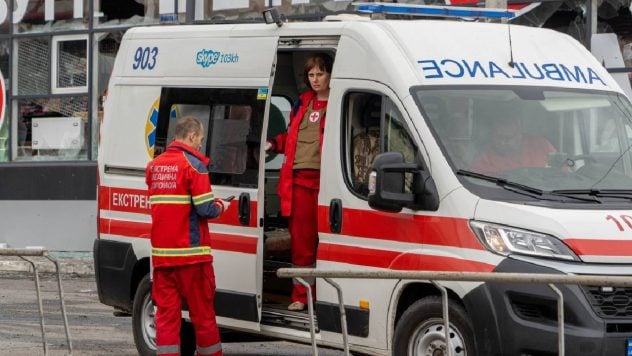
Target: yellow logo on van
point(152, 123)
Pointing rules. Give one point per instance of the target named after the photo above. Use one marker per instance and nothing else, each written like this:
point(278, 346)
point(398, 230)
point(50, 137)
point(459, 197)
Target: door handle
point(335, 215)
point(244, 208)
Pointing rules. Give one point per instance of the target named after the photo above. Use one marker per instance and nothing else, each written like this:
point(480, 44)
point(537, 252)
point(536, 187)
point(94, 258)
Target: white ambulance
point(493, 148)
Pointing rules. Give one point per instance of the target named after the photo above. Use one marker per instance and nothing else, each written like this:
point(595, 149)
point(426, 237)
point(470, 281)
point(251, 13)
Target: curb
point(73, 266)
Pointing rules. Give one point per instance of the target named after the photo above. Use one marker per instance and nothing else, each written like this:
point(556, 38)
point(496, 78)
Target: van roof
point(433, 52)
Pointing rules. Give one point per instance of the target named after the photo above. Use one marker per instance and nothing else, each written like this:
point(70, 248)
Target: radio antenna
point(511, 59)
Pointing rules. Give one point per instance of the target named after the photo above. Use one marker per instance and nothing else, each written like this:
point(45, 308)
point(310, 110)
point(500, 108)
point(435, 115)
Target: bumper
point(114, 264)
point(524, 319)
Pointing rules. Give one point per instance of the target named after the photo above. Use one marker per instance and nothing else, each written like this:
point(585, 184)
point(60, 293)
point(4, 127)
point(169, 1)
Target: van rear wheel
point(144, 324)
point(420, 330)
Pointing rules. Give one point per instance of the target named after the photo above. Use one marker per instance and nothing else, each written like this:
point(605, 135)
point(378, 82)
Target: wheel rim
point(148, 322)
point(429, 340)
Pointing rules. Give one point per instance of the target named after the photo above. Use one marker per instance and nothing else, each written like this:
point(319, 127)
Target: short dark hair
point(320, 60)
point(187, 124)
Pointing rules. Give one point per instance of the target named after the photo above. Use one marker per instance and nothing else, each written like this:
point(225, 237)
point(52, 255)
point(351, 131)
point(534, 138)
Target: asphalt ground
point(94, 330)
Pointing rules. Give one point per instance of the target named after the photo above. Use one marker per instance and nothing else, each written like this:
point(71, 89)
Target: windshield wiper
point(606, 193)
point(521, 188)
point(505, 184)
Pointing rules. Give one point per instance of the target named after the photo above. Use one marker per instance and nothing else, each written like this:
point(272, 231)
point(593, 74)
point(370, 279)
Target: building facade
point(56, 57)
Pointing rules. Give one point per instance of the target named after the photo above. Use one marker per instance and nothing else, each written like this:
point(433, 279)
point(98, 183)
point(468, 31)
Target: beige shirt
point(308, 143)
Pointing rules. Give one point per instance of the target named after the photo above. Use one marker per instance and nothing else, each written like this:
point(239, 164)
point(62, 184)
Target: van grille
point(610, 304)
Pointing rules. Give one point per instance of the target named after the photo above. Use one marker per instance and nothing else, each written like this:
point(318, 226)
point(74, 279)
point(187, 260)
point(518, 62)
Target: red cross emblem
point(313, 117)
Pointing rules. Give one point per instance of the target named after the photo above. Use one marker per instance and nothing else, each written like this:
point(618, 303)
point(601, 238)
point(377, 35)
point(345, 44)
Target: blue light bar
point(438, 11)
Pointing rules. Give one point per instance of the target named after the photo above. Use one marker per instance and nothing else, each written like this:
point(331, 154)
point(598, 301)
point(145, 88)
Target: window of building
point(233, 120)
point(34, 73)
point(70, 64)
point(106, 46)
point(4, 122)
point(373, 125)
point(48, 15)
point(110, 13)
point(51, 129)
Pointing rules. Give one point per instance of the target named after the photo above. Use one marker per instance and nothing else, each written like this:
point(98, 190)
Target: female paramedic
point(299, 180)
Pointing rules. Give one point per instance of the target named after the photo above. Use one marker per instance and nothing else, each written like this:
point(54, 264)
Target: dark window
point(232, 119)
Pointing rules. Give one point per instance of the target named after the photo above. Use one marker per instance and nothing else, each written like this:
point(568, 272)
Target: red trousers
point(196, 284)
point(303, 225)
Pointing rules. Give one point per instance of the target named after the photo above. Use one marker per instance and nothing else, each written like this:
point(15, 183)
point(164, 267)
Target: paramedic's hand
point(267, 147)
point(225, 204)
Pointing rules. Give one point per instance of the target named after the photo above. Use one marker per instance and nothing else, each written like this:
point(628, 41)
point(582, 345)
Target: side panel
point(371, 240)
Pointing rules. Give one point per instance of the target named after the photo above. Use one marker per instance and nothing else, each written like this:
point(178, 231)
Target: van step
point(278, 315)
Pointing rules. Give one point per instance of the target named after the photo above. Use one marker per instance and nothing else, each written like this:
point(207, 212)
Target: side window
point(373, 125)
point(232, 119)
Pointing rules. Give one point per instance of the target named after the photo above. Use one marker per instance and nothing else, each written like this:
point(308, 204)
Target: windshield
point(550, 139)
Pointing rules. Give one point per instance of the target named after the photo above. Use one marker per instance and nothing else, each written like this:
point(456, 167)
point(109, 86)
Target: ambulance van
point(448, 146)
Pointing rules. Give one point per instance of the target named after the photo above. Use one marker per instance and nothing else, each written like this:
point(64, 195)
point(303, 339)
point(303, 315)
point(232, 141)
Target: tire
point(420, 330)
point(144, 326)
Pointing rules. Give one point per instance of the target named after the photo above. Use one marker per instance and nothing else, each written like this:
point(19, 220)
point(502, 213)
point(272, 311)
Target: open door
point(233, 118)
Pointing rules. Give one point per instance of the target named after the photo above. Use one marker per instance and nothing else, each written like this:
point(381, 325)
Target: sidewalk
point(76, 263)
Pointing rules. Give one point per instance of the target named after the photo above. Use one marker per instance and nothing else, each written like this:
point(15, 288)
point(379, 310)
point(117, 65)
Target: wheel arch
point(141, 269)
point(408, 293)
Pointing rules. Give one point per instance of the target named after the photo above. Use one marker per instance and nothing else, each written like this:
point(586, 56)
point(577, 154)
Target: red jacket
point(286, 143)
point(181, 203)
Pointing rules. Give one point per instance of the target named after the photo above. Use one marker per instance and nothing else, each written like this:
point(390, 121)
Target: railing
point(39, 252)
point(433, 277)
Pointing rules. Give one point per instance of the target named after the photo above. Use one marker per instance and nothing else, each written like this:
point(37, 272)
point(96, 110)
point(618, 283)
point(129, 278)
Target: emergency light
point(441, 11)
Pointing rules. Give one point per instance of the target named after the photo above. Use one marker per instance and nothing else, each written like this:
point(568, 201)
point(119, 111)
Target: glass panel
point(229, 138)
point(52, 129)
point(126, 12)
point(201, 112)
point(279, 117)
point(230, 10)
point(33, 58)
point(71, 63)
point(542, 138)
point(364, 112)
point(4, 122)
point(47, 16)
point(107, 45)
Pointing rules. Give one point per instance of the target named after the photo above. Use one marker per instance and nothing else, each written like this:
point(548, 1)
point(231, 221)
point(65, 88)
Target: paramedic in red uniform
point(181, 202)
point(511, 148)
point(299, 180)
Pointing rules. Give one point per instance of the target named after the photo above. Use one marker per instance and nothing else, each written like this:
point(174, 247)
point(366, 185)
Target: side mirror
point(387, 185)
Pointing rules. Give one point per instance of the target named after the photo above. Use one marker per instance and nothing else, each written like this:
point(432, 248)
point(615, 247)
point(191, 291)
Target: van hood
point(596, 236)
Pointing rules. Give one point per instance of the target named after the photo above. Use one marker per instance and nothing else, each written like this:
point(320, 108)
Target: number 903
point(145, 58)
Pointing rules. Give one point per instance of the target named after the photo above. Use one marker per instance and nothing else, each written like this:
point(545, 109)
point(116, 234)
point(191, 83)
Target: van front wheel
point(420, 330)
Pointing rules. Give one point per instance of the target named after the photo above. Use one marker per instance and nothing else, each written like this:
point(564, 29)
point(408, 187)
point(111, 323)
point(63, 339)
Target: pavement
point(77, 263)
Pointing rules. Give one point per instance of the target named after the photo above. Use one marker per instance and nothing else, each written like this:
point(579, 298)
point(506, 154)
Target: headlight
point(507, 240)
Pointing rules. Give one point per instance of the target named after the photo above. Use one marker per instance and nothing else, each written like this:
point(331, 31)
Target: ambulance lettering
point(208, 57)
point(626, 219)
point(127, 200)
point(435, 69)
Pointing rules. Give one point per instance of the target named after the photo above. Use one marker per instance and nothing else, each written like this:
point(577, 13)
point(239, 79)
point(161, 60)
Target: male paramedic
point(181, 202)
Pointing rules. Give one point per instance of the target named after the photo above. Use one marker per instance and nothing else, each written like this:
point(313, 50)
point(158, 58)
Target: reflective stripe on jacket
point(181, 203)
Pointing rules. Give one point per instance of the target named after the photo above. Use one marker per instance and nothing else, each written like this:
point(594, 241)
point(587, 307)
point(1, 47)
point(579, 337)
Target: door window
point(232, 120)
point(373, 125)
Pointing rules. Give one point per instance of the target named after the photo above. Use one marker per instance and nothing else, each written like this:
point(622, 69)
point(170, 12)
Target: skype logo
point(207, 57)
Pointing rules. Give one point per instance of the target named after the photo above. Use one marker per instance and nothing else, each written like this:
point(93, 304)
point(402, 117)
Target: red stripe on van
point(397, 260)
point(234, 243)
point(222, 242)
point(426, 229)
point(600, 247)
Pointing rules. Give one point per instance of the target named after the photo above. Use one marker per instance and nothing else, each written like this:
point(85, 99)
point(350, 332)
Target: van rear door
point(231, 98)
